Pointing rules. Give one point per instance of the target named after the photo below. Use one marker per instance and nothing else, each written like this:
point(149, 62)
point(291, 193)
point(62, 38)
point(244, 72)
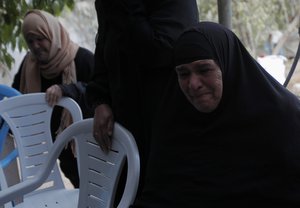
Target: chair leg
point(11, 171)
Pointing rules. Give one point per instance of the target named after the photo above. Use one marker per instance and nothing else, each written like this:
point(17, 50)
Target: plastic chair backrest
point(6, 92)
point(99, 172)
point(29, 118)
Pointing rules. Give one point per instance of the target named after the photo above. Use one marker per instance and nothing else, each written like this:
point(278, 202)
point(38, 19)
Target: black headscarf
point(245, 153)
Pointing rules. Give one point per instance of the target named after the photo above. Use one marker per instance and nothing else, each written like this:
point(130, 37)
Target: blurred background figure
point(58, 66)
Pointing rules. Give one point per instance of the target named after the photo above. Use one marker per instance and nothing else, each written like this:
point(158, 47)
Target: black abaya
point(246, 153)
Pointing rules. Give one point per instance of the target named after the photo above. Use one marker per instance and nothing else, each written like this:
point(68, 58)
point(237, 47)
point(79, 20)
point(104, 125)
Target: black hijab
point(245, 153)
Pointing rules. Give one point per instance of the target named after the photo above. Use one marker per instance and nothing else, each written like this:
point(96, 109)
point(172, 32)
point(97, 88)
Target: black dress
point(133, 59)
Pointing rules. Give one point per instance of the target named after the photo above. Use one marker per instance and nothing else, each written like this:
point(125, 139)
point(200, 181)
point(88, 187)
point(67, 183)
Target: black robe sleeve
point(84, 62)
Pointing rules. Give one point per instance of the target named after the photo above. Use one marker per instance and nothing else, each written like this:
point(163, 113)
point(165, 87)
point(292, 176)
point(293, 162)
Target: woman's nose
point(195, 81)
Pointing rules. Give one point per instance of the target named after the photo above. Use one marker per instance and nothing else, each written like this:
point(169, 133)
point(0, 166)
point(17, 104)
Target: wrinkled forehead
point(192, 46)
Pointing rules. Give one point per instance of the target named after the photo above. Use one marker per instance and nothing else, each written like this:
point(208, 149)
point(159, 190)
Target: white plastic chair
point(7, 150)
point(29, 118)
point(5, 92)
point(99, 172)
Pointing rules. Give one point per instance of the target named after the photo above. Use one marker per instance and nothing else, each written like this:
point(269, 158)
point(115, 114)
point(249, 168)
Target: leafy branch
point(11, 16)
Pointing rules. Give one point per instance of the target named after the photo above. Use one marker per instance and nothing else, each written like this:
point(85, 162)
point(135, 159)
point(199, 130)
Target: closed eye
point(181, 72)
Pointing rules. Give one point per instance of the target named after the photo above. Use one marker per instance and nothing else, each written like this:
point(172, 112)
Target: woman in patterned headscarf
point(57, 66)
point(231, 139)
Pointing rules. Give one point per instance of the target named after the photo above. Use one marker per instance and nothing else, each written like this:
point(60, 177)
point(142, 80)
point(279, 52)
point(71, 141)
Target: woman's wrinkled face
point(39, 47)
point(201, 82)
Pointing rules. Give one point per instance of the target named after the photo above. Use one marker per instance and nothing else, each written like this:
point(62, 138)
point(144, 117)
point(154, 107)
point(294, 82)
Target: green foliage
point(11, 15)
point(253, 20)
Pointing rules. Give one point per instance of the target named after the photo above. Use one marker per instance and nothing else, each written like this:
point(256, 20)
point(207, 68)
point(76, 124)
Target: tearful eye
point(182, 74)
point(202, 70)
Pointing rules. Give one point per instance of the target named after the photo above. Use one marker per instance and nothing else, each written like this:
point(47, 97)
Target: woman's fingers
point(53, 95)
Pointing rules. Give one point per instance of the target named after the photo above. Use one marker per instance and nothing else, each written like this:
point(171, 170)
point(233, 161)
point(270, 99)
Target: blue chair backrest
point(5, 92)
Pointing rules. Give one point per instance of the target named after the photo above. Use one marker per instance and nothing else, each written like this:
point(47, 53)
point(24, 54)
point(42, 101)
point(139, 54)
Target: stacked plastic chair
point(99, 172)
point(29, 119)
point(6, 92)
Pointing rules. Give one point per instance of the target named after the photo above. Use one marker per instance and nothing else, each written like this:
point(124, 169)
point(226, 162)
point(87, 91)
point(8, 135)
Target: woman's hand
point(53, 95)
point(103, 126)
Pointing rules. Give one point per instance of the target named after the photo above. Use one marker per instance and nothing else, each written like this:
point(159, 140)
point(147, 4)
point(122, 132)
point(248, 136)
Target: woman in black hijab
point(243, 153)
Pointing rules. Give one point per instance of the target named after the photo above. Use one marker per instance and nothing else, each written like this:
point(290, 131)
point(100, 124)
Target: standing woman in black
point(133, 64)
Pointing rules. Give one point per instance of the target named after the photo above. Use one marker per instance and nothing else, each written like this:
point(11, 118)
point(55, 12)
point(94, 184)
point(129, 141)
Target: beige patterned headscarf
point(61, 57)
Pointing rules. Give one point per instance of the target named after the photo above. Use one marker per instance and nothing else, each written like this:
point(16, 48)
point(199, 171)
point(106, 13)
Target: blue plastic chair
point(5, 92)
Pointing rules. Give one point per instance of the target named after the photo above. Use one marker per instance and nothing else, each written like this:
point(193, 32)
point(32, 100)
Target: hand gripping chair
point(5, 92)
point(29, 118)
point(99, 172)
